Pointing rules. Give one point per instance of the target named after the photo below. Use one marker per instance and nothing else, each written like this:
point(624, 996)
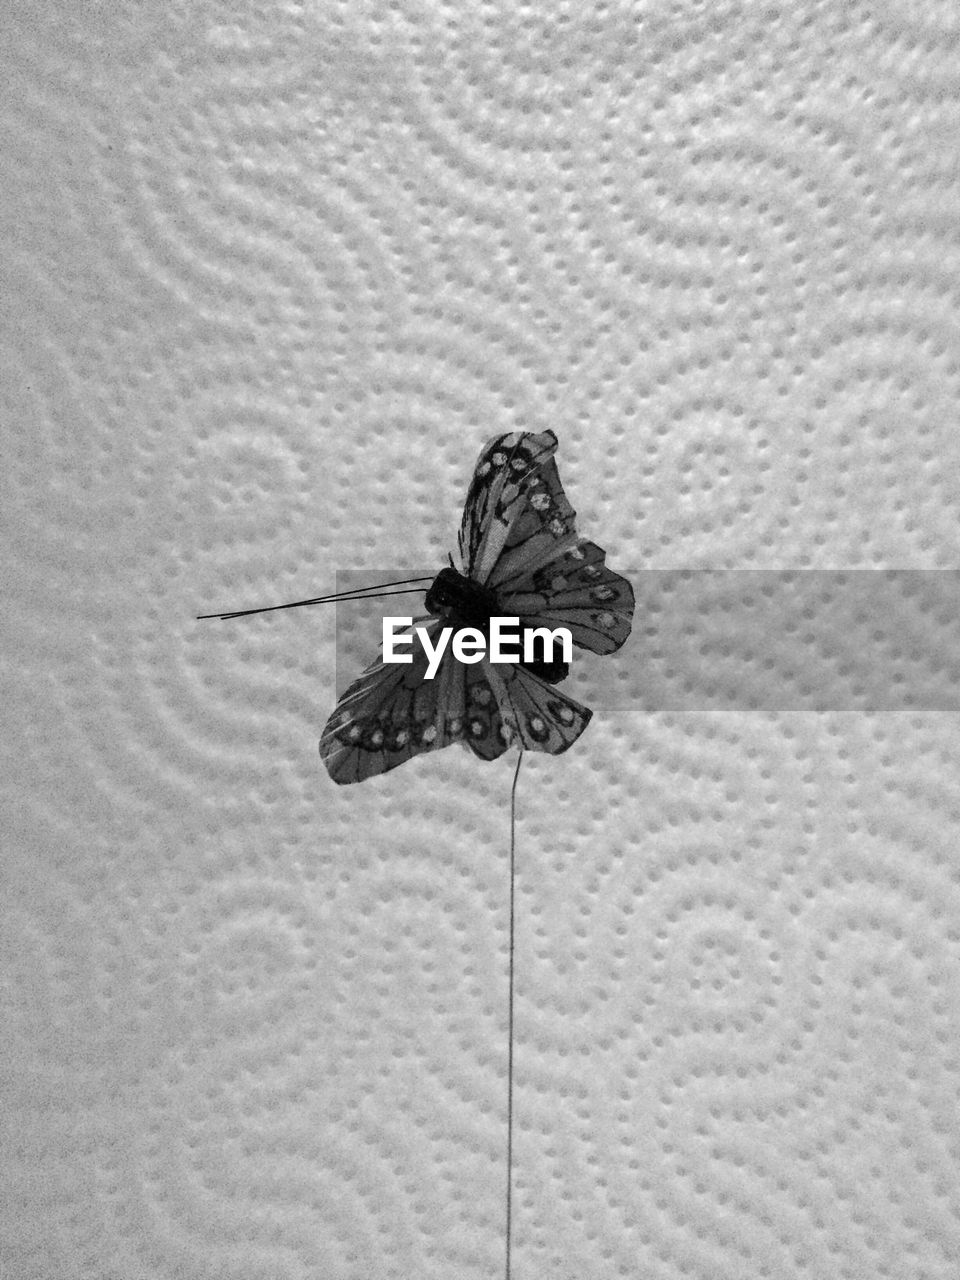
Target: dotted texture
point(270, 276)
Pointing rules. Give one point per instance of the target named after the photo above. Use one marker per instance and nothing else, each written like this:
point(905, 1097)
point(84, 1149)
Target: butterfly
point(520, 556)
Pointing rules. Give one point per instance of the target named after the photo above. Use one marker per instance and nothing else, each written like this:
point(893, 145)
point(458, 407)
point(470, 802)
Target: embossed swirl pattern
point(271, 274)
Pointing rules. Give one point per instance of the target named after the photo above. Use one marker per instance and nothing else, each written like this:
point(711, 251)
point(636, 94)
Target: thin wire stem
point(513, 827)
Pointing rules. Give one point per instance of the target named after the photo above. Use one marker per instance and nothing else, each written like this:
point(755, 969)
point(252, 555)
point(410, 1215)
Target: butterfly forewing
point(543, 527)
point(388, 715)
point(513, 512)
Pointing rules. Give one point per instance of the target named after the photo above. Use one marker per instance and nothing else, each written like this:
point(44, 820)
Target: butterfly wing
point(516, 513)
point(576, 590)
point(518, 537)
point(390, 714)
point(535, 715)
point(485, 731)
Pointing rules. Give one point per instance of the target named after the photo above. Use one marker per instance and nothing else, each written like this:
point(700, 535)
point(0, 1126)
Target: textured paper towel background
point(270, 275)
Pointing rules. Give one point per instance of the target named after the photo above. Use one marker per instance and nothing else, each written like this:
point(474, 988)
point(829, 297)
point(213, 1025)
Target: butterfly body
point(458, 601)
point(521, 557)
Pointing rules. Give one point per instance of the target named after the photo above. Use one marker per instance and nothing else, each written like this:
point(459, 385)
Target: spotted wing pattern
point(484, 730)
point(536, 715)
point(392, 713)
point(518, 537)
point(577, 591)
point(516, 513)
point(388, 715)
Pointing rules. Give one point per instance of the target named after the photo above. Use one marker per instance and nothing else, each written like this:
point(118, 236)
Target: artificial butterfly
point(520, 556)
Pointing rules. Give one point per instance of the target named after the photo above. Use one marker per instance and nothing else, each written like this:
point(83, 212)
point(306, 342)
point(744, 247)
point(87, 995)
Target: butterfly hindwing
point(535, 715)
point(576, 590)
point(484, 729)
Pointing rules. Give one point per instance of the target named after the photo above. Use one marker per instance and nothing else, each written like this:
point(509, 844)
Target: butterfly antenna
point(513, 828)
point(360, 593)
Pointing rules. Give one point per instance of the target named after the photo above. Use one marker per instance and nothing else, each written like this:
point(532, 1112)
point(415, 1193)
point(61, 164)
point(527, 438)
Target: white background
point(270, 275)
